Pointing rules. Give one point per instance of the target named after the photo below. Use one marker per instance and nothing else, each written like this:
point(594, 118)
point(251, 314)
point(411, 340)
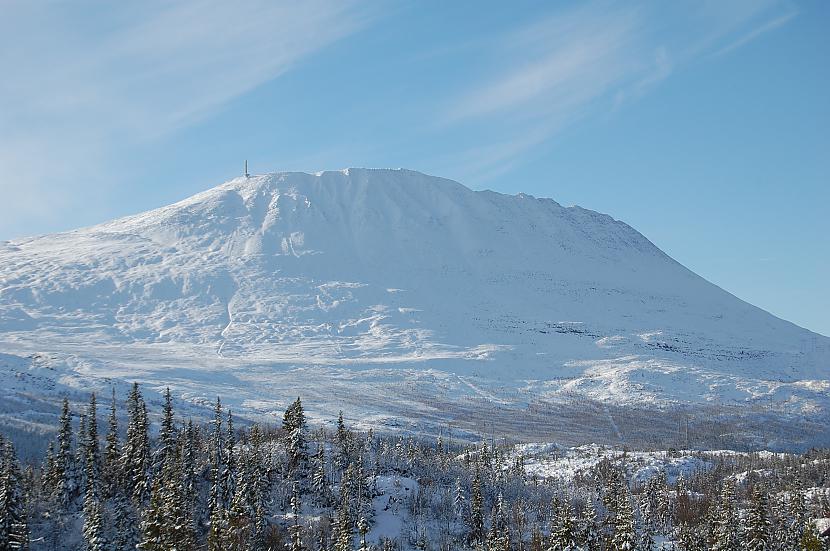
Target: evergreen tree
point(216, 534)
point(296, 528)
point(319, 480)
point(167, 523)
point(135, 455)
point(591, 537)
point(14, 527)
point(110, 468)
point(63, 475)
point(125, 533)
point(810, 540)
point(459, 501)
point(758, 524)
point(363, 529)
point(726, 520)
point(476, 510)
point(153, 521)
point(343, 527)
point(93, 529)
point(795, 519)
point(167, 434)
point(295, 426)
point(625, 537)
point(566, 537)
point(229, 467)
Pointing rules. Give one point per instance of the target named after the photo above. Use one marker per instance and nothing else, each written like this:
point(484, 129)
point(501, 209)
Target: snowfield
point(410, 302)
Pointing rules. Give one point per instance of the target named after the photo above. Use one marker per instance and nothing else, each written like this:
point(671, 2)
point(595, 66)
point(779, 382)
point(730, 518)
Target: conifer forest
point(117, 476)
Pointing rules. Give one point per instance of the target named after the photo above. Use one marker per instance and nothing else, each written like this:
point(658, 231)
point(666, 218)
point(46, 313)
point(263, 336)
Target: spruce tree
point(343, 526)
point(296, 529)
point(93, 529)
point(152, 523)
point(110, 467)
point(14, 527)
point(167, 434)
point(135, 455)
point(625, 537)
point(216, 534)
point(319, 480)
point(591, 537)
point(726, 520)
point(295, 425)
point(64, 481)
point(363, 529)
point(758, 535)
point(125, 525)
point(566, 537)
point(459, 501)
point(229, 467)
point(476, 510)
point(810, 540)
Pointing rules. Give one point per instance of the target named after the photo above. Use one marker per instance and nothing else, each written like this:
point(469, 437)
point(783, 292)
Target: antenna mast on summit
point(246, 169)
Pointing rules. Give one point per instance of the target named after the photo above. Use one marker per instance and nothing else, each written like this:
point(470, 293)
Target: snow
point(401, 298)
point(546, 461)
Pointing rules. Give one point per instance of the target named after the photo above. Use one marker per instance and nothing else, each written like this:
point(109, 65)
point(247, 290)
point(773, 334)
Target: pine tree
point(459, 501)
point(63, 478)
point(125, 536)
point(796, 519)
point(93, 529)
point(296, 528)
point(810, 540)
point(295, 425)
point(240, 515)
point(14, 527)
point(319, 480)
point(91, 445)
point(258, 487)
point(229, 470)
point(167, 435)
point(363, 529)
point(216, 533)
point(167, 523)
point(152, 523)
point(135, 455)
point(343, 527)
point(566, 537)
point(110, 468)
point(590, 531)
point(341, 458)
point(758, 524)
point(476, 510)
point(726, 520)
point(625, 537)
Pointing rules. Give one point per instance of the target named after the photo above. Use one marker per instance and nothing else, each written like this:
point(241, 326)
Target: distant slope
point(393, 283)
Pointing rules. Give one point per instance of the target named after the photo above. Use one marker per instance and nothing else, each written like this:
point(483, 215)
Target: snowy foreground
point(412, 303)
point(174, 484)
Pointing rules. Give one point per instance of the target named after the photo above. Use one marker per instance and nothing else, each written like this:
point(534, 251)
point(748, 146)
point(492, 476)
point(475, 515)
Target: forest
point(121, 477)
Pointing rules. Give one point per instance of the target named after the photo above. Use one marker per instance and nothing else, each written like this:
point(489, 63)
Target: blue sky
point(705, 125)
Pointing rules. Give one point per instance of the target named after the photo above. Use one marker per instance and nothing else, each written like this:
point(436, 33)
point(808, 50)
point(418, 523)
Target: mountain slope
point(406, 287)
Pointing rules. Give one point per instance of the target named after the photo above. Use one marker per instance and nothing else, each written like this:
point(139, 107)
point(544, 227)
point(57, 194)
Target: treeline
point(215, 486)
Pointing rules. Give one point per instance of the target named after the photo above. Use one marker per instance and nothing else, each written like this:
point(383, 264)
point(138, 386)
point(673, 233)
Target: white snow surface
point(388, 293)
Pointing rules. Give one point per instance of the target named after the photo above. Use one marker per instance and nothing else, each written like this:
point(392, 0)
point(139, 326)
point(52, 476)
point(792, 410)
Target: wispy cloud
point(595, 57)
point(755, 33)
point(120, 72)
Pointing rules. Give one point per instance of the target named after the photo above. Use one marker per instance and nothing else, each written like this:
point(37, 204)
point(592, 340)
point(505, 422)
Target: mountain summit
point(413, 300)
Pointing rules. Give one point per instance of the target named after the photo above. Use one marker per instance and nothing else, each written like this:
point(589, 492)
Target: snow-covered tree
point(758, 536)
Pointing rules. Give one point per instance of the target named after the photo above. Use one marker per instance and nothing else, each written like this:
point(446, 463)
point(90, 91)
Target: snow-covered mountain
point(407, 299)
